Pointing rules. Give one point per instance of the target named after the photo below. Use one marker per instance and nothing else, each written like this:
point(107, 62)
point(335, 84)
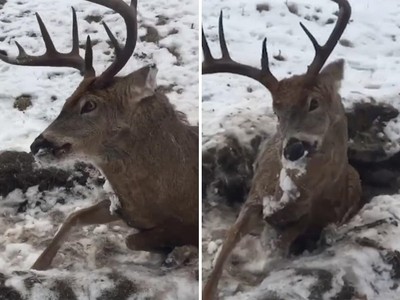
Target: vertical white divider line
point(200, 148)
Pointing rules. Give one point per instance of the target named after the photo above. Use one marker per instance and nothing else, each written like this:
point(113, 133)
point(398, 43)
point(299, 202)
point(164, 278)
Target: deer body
point(324, 188)
point(152, 169)
point(302, 180)
point(133, 134)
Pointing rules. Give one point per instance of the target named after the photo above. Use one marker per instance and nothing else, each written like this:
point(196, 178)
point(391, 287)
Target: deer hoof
point(41, 265)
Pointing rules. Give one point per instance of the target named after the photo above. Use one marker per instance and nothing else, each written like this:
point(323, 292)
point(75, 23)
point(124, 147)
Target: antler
point(53, 58)
point(128, 13)
point(226, 64)
point(322, 52)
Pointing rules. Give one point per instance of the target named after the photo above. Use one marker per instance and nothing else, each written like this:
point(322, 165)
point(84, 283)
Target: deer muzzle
point(43, 147)
point(296, 149)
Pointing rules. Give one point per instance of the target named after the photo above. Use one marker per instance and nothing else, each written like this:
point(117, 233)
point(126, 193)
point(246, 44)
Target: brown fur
point(147, 151)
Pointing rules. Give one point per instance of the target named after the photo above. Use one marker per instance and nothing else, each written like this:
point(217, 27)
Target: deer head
point(102, 106)
point(311, 120)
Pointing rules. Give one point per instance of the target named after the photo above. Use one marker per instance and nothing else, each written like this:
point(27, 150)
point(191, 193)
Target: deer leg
point(163, 238)
point(287, 238)
point(353, 194)
point(243, 225)
point(96, 214)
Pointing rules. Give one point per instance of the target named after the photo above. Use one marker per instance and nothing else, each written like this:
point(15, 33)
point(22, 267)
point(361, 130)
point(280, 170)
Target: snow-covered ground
point(96, 251)
point(234, 104)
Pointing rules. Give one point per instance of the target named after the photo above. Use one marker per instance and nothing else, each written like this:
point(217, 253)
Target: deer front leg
point(96, 214)
point(243, 225)
point(353, 197)
point(287, 238)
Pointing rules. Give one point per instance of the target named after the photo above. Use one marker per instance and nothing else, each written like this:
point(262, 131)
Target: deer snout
point(41, 143)
point(41, 147)
point(295, 149)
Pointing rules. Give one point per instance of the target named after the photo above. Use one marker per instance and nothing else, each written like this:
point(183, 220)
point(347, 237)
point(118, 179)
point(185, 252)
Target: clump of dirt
point(22, 102)
point(95, 19)
point(263, 7)
point(18, 170)
point(151, 36)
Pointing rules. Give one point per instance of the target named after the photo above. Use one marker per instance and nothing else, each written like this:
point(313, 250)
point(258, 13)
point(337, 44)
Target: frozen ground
point(349, 269)
point(96, 260)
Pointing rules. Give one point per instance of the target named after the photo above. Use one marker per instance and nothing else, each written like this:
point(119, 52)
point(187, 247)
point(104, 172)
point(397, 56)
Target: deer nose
point(294, 149)
point(40, 143)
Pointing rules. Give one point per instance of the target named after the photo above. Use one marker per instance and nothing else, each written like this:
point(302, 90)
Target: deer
point(131, 132)
point(302, 178)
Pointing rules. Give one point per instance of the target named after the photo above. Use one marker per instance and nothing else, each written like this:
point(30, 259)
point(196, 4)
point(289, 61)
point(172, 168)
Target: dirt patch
point(23, 102)
point(18, 170)
point(151, 36)
point(91, 19)
point(263, 7)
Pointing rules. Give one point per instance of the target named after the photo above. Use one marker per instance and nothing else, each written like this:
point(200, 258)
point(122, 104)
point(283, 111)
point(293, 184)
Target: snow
point(212, 247)
point(299, 165)
point(237, 105)
point(94, 253)
point(289, 193)
point(115, 204)
point(288, 187)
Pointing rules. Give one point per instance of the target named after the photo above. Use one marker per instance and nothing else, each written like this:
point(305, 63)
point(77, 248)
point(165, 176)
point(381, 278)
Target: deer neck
point(146, 148)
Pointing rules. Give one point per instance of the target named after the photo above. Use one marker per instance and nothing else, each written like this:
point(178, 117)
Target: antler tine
point(226, 64)
point(51, 58)
point(322, 52)
point(46, 36)
point(89, 70)
point(128, 13)
point(21, 50)
point(75, 35)
point(222, 40)
point(265, 62)
point(113, 40)
point(206, 51)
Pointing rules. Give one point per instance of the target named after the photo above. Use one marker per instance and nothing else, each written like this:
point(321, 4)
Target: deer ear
point(142, 83)
point(333, 72)
point(150, 74)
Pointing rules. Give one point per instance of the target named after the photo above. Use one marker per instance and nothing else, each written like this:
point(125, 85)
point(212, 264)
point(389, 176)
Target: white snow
point(110, 194)
point(91, 254)
point(288, 187)
point(289, 191)
point(299, 166)
point(212, 247)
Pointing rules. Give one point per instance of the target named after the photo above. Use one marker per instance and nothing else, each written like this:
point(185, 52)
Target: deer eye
point(313, 104)
point(88, 107)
